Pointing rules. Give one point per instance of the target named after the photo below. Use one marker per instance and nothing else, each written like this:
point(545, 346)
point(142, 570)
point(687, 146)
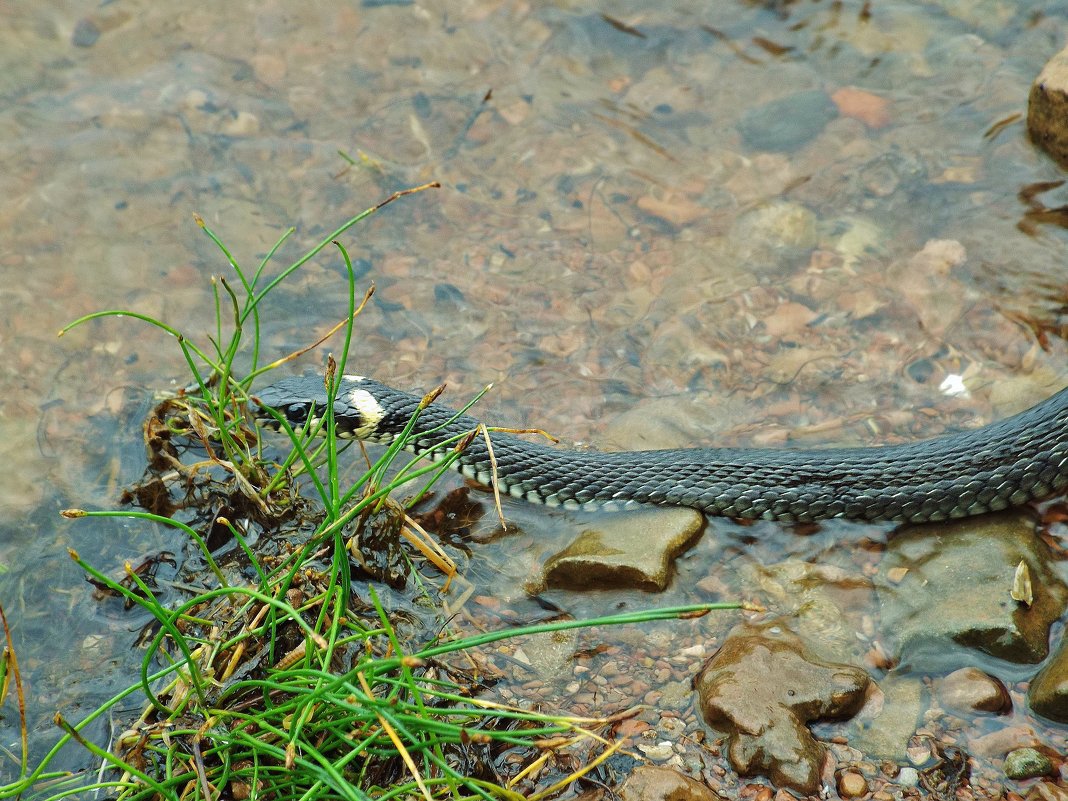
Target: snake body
point(1004, 464)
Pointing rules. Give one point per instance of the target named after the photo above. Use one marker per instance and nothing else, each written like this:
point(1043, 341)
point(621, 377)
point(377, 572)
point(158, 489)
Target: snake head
point(302, 400)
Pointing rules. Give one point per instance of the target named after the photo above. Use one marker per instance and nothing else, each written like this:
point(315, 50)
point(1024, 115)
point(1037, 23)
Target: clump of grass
point(290, 686)
point(340, 710)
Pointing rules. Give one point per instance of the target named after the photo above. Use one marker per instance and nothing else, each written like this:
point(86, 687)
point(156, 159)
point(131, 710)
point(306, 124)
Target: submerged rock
point(762, 687)
point(951, 584)
point(85, 33)
point(822, 602)
point(778, 226)
point(852, 784)
point(1000, 742)
point(551, 654)
point(1027, 763)
point(631, 550)
point(888, 721)
point(650, 783)
point(1048, 693)
point(789, 123)
point(971, 690)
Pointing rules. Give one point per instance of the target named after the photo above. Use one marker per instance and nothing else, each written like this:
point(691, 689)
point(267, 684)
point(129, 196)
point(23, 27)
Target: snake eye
point(296, 413)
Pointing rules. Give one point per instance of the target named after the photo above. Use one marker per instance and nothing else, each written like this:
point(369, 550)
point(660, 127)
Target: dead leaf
point(774, 48)
point(622, 27)
point(1021, 585)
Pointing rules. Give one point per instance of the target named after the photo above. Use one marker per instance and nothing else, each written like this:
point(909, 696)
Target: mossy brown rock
point(652, 783)
point(947, 588)
point(1047, 108)
point(632, 550)
point(1027, 763)
point(1048, 693)
point(762, 687)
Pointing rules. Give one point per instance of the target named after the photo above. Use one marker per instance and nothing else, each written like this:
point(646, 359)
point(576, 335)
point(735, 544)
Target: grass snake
point(1004, 464)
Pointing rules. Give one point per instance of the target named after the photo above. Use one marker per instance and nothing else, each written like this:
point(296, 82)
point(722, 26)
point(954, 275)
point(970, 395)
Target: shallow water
point(630, 241)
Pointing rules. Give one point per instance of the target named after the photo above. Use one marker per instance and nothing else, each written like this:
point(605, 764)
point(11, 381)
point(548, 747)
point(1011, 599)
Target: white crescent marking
point(369, 409)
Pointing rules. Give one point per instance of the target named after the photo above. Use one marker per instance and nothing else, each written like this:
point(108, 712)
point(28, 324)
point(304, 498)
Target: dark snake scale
point(1004, 464)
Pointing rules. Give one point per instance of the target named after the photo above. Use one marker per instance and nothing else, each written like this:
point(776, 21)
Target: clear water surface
point(732, 223)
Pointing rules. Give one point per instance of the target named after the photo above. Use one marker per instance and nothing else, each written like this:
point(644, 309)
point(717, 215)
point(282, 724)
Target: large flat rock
point(947, 589)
